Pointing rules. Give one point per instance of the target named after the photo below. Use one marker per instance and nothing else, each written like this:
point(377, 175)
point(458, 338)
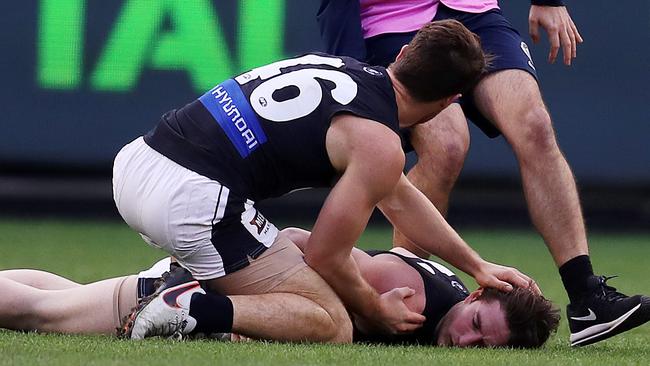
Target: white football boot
point(165, 313)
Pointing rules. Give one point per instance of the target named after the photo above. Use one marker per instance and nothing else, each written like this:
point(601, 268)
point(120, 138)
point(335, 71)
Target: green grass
point(87, 251)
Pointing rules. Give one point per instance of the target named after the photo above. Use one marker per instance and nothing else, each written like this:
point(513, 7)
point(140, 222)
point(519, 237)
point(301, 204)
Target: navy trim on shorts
point(145, 287)
point(230, 238)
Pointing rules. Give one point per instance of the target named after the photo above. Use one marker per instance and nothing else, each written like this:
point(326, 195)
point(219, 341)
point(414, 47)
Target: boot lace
point(609, 293)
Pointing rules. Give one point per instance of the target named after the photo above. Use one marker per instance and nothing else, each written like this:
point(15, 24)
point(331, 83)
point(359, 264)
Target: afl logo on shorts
point(524, 47)
point(372, 71)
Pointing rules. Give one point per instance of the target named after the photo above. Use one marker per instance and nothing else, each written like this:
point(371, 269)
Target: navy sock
point(575, 275)
point(213, 313)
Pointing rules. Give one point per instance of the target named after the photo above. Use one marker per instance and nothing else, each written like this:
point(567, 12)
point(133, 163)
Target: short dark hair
point(531, 318)
point(444, 58)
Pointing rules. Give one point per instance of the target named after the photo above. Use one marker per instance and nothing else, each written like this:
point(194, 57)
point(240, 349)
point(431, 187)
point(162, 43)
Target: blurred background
point(82, 78)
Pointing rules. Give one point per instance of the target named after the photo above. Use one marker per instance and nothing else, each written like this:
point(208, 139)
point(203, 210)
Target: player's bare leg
point(316, 313)
point(276, 297)
point(87, 309)
point(303, 308)
point(39, 279)
point(441, 145)
point(512, 100)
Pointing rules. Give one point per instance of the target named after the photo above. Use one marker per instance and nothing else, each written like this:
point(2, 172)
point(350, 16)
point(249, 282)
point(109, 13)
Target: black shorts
point(498, 38)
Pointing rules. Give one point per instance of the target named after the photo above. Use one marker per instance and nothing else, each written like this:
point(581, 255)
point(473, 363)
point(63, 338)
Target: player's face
point(474, 323)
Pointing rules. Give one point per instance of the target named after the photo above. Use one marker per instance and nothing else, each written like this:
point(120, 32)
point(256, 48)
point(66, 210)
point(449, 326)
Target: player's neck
point(403, 101)
point(409, 111)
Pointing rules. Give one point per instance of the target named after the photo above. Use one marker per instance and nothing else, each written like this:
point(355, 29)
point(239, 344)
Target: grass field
point(87, 251)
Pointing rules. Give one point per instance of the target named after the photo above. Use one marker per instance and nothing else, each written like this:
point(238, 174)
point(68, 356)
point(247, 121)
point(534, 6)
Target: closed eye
point(475, 321)
point(476, 324)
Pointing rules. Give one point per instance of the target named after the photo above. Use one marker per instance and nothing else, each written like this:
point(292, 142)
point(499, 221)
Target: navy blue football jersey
point(262, 133)
point(442, 291)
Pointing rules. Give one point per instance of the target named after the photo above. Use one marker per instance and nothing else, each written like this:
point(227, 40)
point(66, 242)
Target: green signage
point(193, 42)
point(60, 43)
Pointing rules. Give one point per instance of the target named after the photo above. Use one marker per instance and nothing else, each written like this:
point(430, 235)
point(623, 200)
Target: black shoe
point(604, 313)
point(175, 276)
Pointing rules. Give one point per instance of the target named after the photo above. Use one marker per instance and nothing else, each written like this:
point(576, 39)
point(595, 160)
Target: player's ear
point(446, 102)
point(474, 295)
point(453, 98)
point(401, 52)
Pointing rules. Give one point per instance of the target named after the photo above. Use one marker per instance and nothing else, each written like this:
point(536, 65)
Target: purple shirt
point(401, 16)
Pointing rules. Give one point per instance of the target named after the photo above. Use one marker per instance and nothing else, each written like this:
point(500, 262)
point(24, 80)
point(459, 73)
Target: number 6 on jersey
point(309, 92)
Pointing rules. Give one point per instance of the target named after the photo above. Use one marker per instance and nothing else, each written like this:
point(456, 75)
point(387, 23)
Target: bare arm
point(370, 171)
point(416, 217)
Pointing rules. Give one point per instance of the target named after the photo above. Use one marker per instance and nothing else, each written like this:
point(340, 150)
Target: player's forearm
point(341, 272)
point(345, 279)
point(339, 225)
point(418, 219)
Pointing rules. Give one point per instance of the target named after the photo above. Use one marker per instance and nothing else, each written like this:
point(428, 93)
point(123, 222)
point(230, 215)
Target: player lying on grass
point(36, 300)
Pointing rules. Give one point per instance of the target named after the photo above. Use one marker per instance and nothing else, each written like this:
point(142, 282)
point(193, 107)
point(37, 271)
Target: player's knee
point(537, 136)
point(342, 326)
point(455, 153)
point(333, 323)
point(447, 159)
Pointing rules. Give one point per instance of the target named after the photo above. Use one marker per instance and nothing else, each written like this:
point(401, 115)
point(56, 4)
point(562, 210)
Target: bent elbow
point(322, 264)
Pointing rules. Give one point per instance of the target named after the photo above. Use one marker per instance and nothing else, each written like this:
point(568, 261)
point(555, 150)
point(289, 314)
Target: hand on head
point(504, 278)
